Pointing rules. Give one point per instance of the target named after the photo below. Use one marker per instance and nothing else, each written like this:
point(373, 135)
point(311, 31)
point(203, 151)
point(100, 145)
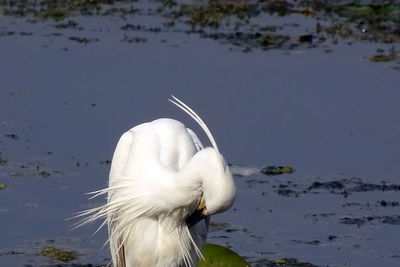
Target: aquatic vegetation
point(238, 22)
point(391, 55)
point(384, 203)
point(219, 256)
point(3, 161)
point(359, 221)
point(59, 254)
point(211, 14)
point(274, 170)
point(83, 40)
point(292, 262)
point(70, 24)
point(12, 136)
point(44, 174)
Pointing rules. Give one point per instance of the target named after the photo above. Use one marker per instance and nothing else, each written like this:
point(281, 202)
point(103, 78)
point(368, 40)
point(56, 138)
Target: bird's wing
point(196, 140)
point(121, 257)
point(140, 186)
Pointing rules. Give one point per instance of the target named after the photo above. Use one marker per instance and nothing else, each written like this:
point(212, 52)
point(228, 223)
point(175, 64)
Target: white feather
point(159, 174)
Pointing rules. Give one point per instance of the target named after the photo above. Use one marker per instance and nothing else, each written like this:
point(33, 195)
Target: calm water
point(331, 116)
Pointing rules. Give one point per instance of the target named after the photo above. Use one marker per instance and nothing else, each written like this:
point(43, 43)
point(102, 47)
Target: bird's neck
point(206, 170)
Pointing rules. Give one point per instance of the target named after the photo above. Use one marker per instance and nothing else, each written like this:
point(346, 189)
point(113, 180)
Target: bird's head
point(217, 182)
point(215, 177)
point(217, 185)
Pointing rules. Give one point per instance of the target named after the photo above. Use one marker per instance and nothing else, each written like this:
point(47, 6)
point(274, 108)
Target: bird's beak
point(198, 215)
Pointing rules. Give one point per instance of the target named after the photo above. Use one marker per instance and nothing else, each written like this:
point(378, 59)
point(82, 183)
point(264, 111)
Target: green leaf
point(219, 256)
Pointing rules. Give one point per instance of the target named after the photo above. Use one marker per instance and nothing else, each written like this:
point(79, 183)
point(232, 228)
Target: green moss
point(293, 263)
point(58, 254)
point(211, 15)
point(355, 11)
point(272, 39)
point(3, 161)
point(275, 170)
point(219, 256)
point(391, 55)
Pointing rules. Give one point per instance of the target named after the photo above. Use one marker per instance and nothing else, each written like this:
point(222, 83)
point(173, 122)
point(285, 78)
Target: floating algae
point(58, 254)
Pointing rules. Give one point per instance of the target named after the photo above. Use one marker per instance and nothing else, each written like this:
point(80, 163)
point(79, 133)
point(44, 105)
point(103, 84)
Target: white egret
point(163, 187)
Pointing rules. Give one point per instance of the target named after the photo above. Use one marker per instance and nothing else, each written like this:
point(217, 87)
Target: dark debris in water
point(105, 162)
point(391, 55)
point(346, 186)
point(7, 33)
point(69, 24)
point(83, 40)
point(29, 168)
point(317, 217)
point(288, 262)
point(384, 203)
point(128, 39)
point(359, 221)
point(3, 161)
point(12, 136)
point(287, 192)
point(312, 242)
point(57, 252)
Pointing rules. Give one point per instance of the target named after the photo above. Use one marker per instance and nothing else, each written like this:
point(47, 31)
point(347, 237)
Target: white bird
point(163, 187)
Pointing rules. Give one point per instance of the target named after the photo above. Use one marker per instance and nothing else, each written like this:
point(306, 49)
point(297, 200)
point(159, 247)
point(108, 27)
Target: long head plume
point(197, 118)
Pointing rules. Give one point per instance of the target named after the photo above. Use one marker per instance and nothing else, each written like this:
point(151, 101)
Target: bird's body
point(160, 176)
point(158, 149)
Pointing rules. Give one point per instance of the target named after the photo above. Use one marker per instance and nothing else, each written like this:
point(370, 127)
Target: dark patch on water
point(53, 253)
point(317, 217)
point(360, 221)
point(128, 39)
point(69, 24)
point(289, 262)
point(3, 160)
point(384, 203)
point(83, 40)
point(333, 185)
point(287, 192)
point(370, 206)
point(312, 242)
point(12, 136)
point(105, 162)
point(346, 186)
point(332, 237)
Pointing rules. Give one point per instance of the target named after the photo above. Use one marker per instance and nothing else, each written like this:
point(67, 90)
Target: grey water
point(331, 116)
